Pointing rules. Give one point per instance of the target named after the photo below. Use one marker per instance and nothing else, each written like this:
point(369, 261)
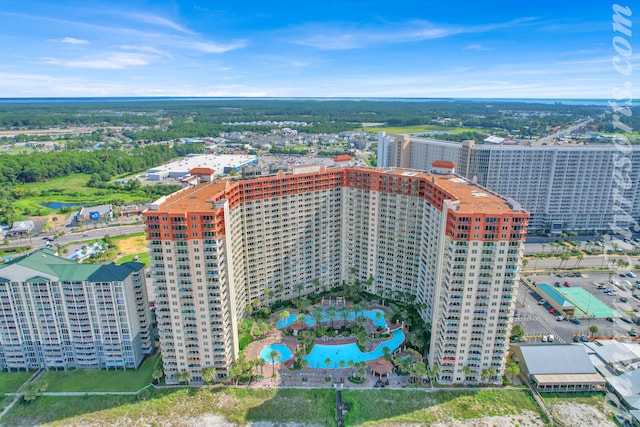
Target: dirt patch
point(132, 245)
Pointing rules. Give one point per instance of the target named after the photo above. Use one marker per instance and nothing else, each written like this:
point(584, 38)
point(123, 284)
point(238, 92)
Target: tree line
point(45, 166)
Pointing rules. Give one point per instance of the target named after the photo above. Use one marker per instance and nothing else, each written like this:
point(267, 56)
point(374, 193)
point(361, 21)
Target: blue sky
point(534, 49)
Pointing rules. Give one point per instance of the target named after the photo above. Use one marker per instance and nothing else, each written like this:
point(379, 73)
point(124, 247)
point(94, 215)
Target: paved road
point(562, 132)
point(589, 261)
point(72, 237)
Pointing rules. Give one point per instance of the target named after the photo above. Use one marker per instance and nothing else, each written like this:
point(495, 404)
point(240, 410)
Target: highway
point(562, 132)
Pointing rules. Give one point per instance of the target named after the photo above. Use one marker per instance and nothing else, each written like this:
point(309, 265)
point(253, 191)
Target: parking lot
point(540, 320)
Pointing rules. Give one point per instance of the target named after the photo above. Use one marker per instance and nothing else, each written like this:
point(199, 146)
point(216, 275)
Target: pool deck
point(284, 377)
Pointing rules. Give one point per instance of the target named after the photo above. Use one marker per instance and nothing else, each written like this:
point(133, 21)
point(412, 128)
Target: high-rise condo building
point(221, 249)
point(593, 187)
point(58, 314)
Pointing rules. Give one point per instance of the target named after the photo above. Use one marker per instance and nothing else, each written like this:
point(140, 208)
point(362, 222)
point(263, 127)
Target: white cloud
point(144, 48)
point(336, 37)
point(72, 40)
point(210, 47)
point(110, 61)
point(476, 46)
point(160, 21)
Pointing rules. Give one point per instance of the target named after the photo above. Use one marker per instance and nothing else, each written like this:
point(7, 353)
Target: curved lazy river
point(346, 352)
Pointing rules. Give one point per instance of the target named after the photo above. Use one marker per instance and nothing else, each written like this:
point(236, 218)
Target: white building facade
point(220, 250)
point(564, 187)
point(56, 314)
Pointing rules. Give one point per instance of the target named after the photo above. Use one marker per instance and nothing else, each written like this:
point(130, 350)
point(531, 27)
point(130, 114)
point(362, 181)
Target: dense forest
point(156, 120)
point(106, 163)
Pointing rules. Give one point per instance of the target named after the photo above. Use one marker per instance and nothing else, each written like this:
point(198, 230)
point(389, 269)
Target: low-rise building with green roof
point(58, 314)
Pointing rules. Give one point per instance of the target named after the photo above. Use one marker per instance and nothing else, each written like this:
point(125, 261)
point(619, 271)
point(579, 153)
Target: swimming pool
point(377, 320)
point(283, 349)
point(346, 352)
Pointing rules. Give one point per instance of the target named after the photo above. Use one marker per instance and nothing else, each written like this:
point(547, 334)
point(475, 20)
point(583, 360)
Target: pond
point(58, 205)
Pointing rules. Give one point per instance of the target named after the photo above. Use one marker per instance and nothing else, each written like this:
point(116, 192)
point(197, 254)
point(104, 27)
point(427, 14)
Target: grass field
point(70, 189)
point(11, 381)
point(399, 407)
point(423, 128)
point(143, 257)
point(87, 380)
point(180, 407)
point(313, 407)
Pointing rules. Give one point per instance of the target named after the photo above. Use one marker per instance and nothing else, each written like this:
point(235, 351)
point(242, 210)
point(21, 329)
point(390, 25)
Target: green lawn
point(69, 189)
point(86, 380)
point(380, 407)
point(142, 257)
point(11, 381)
point(181, 407)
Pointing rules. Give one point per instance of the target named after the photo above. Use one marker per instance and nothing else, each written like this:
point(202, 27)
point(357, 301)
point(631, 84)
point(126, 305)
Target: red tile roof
point(342, 158)
point(443, 164)
point(202, 171)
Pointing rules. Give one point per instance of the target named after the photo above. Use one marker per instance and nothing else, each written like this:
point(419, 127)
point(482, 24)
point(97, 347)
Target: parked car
point(610, 319)
point(542, 301)
point(624, 299)
point(553, 310)
point(544, 338)
point(626, 319)
point(633, 332)
point(559, 319)
point(550, 338)
point(567, 284)
point(575, 320)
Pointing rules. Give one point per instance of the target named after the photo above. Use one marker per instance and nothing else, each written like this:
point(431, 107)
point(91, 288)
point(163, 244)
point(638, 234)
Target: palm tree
point(261, 362)
point(512, 369)
point(342, 364)
point(579, 259)
point(344, 312)
point(157, 375)
point(299, 287)
point(361, 368)
point(484, 375)
point(53, 221)
point(299, 318)
point(331, 313)
point(283, 317)
point(318, 315)
point(273, 356)
point(358, 307)
point(386, 352)
point(378, 315)
point(327, 362)
point(466, 370)
point(433, 373)
point(209, 373)
point(564, 257)
point(352, 365)
point(594, 330)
